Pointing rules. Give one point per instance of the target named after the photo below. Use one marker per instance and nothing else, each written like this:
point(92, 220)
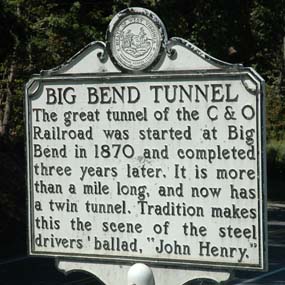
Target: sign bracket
point(140, 274)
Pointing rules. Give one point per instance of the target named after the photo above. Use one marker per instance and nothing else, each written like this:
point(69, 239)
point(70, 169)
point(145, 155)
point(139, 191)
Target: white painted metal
point(111, 274)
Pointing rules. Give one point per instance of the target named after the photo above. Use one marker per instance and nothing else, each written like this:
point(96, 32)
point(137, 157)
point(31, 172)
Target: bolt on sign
point(147, 149)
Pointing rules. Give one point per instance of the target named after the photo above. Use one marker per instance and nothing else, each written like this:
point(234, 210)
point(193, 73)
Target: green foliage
point(62, 30)
point(17, 112)
point(267, 21)
point(275, 115)
point(276, 155)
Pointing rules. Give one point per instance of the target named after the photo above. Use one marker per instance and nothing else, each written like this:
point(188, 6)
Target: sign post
point(147, 150)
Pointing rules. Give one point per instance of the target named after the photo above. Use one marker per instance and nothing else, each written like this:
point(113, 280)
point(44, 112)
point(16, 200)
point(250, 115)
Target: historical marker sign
point(147, 150)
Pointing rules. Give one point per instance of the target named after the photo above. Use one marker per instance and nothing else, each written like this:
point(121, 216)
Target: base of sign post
point(140, 274)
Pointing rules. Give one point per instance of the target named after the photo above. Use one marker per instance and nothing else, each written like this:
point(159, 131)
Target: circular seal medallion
point(135, 41)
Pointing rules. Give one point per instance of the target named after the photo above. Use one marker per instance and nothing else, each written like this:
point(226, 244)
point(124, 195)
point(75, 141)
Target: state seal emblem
point(135, 40)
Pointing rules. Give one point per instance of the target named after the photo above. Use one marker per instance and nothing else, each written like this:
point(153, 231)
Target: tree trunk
point(7, 100)
point(4, 124)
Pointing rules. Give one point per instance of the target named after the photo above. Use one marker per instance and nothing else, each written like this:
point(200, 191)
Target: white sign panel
point(162, 167)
